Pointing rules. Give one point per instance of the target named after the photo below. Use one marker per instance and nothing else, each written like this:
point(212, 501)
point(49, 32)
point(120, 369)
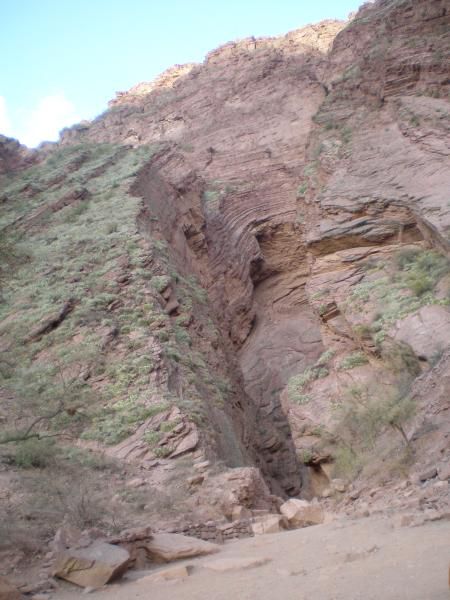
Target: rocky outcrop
point(14, 156)
point(298, 188)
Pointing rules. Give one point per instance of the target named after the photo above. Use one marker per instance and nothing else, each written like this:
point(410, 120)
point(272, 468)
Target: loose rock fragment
point(165, 547)
point(93, 566)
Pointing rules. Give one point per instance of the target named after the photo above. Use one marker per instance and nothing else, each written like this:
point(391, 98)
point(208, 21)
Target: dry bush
point(42, 498)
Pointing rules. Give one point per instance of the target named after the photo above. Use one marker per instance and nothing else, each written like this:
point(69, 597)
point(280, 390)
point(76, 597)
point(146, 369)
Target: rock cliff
point(255, 253)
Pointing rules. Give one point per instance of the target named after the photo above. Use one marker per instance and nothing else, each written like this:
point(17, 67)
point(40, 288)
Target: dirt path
point(369, 559)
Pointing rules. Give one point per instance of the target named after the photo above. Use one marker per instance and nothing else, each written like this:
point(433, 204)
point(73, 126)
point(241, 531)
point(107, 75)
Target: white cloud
point(44, 122)
point(5, 123)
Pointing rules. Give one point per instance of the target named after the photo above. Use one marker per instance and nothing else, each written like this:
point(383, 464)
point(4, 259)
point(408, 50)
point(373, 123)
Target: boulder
point(196, 480)
point(427, 331)
point(165, 547)
point(201, 466)
point(339, 485)
point(239, 513)
point(134, 541)
point(301, 513)
point(242, 486)
point(428, 474)
point(93, 566)
point(129, 536)
point(444, 472)
point(187, 443)
point(8, 591)
point(267, 524)
point(327, 492)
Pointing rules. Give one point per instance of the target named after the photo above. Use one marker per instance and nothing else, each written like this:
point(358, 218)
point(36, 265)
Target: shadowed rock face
point(284, 165)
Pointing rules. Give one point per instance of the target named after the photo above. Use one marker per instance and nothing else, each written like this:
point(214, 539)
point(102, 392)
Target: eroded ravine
point(304, 149)
point(257, 421)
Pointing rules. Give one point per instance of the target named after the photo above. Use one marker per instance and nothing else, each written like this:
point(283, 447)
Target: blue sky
point(62, 60)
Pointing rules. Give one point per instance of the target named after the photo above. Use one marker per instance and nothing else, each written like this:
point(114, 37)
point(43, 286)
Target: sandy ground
point(369, 559)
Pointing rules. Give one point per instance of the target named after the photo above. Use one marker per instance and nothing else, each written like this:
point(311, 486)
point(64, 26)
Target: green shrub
point(73, 213)
point(419, 283)
point(363, 331)
point(168, 426)
point(302, 189)
point(346, 134)
point(305, 455)
point(436, 356)
point(300, 398)
point(162, 452)
point(347, 463)
point(365, 413)
point(400, 358)
point(160, 282)
point(88, 459)
point(406, 257)
point(34, 452)
point(116, 423)
point(152, 437)
point(325, 357)
point(353, 360)
point(297, 383)
point(182, 336)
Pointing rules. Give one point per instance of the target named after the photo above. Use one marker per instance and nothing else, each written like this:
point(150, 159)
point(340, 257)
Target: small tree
point(48, 398)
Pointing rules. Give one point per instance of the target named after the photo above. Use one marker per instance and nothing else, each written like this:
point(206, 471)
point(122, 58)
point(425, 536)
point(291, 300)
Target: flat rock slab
point(165, 547)
point(301, 513)
point(267, 524)
point(93, 566)
point(235, 564)
point(170, 574)
point(128, 536)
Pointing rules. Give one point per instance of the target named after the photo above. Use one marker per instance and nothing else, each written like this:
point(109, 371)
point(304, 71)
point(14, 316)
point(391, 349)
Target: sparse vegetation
point(356, 359)
point(298, 383)
point(34, 452)
point(113, 424)
point(365, 412)
point(98, 245)
point(405, 289)
point(305, 455)
point(10, 257)
point(160, 282)
point(325, 357)
point(302, 189)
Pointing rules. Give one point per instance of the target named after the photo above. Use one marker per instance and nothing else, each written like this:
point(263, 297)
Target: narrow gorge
point(244, 263)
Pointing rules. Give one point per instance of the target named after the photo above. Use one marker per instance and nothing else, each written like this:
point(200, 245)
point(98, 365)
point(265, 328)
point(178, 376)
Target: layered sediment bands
point(286, 336)
point(226, 199)
point(281, 162)
point(174, 211)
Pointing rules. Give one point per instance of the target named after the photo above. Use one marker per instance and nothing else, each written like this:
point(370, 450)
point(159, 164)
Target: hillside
point(240, 270)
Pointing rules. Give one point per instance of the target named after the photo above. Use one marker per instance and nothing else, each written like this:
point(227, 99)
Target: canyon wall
point(297, 188)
